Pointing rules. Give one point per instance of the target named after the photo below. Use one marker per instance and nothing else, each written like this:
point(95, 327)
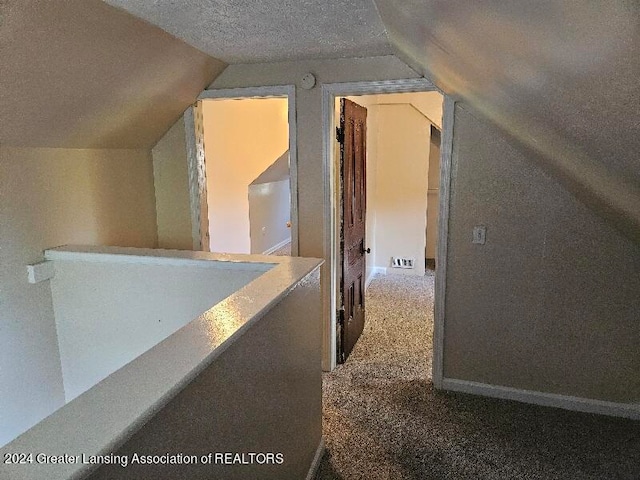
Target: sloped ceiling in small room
point(83, 74)
point(560, 77)
point(250, 31)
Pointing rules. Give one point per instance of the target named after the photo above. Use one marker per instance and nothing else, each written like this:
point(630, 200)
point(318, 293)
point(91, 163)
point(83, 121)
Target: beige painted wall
point(171, 182)
point(242, 138)
point(83, 74)
point(401, 187)
point(50, 197)
point(551, 302)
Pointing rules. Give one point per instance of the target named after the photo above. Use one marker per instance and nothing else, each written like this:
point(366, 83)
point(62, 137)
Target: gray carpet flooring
point(384, 420)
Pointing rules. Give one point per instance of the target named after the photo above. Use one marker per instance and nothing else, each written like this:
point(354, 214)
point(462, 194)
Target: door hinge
point(339, 334)
point(340, 134)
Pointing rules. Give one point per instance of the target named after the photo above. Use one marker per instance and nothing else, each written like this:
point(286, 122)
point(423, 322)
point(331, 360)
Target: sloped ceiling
point(248, 31)
point(276, 172)
point(560, 77)
point(82, 74)
point(429, 104)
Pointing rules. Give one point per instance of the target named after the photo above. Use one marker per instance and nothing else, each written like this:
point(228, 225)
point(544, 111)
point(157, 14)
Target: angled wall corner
point(549, 304)
point(83, 74)
point(566, 97)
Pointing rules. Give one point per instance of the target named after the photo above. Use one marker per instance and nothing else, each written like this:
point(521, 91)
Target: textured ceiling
point(82, 74)
point(249, 31)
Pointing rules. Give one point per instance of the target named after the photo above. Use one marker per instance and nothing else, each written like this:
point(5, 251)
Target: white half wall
point(107, 314)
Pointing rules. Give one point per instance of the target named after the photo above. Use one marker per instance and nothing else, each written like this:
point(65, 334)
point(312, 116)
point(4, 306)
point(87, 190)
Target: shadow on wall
point(270, 208)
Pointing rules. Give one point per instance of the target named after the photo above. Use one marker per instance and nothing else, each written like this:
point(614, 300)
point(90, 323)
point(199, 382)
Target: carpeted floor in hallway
point(384, 420)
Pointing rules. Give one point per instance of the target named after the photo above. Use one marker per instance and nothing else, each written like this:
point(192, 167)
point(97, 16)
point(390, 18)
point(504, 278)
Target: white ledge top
point(150, 256)
point(101, 419)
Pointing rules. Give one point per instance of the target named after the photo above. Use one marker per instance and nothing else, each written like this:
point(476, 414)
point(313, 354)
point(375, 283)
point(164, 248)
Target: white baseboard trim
point(316, 460)
point(276, 247)
point(578, 404)
point(372, 273)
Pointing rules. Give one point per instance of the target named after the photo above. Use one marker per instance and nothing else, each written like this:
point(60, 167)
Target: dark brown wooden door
point(352, 136)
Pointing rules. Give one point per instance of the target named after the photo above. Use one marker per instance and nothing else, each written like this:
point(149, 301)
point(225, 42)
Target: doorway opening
point(404, 185)
point(389, 165)
point(249, 161)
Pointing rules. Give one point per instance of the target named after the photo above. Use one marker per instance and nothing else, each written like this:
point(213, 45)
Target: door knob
point(364, 250)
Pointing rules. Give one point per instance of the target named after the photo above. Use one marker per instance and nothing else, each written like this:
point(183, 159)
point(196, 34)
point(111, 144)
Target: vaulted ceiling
point(82, 74)
point(572, 66)
point(560, 77)
point(249, 31)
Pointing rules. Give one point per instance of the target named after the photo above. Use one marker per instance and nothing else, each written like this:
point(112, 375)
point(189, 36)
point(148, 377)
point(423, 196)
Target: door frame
point(331, 205)
point(196, 177)
point(277, 91)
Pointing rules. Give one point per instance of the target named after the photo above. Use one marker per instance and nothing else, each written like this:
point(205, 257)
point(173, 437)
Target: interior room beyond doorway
point(246, 144)
point(402, 181)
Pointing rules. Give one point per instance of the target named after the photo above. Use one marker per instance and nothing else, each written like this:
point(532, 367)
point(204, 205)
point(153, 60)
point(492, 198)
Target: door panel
point(353, 134)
